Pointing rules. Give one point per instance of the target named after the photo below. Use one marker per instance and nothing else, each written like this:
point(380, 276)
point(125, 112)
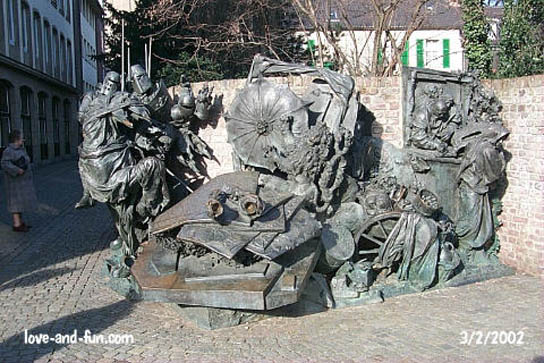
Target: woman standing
point(20, 193)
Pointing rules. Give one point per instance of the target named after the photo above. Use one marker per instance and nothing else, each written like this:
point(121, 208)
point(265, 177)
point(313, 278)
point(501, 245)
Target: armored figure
point(184, 115)
point(187, 151)
point(116, 171)
point(154, 95)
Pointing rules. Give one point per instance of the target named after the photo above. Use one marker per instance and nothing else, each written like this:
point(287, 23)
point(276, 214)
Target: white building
point(437, 43)
point(42, 74)
point(123, 5)
point(92, 43)
point(39, 75)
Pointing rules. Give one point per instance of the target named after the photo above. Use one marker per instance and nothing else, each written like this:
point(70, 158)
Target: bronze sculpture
point(312, 192)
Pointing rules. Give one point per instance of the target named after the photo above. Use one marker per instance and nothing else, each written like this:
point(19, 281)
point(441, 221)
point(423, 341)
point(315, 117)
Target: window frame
point(25, 94)
point(42, 116)
point(36, 30)
point(11, 22)
point(5, 115)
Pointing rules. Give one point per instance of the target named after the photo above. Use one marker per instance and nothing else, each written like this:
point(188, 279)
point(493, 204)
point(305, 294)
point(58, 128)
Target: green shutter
point(380, 56)
point(446, 53)
point(311, 45)
point(405, 57)
point(419, 48)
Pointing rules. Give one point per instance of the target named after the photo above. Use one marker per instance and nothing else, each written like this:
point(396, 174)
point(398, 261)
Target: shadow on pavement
point(95, 321)
point(36, 277)
point(61, 250)
point(59, 232)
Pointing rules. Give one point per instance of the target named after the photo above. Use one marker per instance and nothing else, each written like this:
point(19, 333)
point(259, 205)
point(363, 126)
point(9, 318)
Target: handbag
point(21, 163)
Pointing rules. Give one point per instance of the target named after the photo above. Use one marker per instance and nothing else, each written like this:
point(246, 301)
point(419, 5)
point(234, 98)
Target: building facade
point(92, 43)
point(437, 42)
point(41, 75)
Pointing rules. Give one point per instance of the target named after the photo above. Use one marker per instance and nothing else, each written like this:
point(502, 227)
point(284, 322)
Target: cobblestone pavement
point(51, 282)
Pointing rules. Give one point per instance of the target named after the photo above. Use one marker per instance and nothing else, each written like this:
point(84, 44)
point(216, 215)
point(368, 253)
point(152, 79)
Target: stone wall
point(522, 233)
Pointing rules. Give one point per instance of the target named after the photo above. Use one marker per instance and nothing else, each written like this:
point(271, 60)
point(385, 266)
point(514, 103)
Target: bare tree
point(225, 27)
point(388, 25)
point(361, 37)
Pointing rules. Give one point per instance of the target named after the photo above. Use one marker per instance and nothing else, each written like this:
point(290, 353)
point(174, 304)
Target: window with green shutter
point(405, 57)
point(380, 57)
point(446, 53)
point(419, 50)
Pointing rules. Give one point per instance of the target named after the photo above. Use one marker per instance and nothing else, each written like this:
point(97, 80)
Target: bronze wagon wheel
point(373, 234)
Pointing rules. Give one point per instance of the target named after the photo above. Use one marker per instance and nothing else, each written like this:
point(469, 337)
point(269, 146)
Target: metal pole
point(146, 59)
point(150, 44)
point(128, 63)
point(122, 55)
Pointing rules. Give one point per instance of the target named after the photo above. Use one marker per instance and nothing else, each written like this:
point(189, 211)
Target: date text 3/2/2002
point(492, 337)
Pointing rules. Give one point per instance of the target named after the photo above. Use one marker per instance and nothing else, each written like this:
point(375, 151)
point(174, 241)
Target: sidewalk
point(51, 283)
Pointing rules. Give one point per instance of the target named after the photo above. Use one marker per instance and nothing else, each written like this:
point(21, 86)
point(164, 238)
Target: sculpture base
point(265, 285)
point(392, 287)
point(315, 298)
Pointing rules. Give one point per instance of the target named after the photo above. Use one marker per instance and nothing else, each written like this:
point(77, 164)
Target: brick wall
point(522, 233)
point(382, 97)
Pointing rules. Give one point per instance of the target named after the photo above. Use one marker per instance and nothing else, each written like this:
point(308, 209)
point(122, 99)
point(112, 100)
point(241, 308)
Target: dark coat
point(20, 192)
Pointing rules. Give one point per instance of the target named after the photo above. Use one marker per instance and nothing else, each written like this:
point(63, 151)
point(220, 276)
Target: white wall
point(125, 5)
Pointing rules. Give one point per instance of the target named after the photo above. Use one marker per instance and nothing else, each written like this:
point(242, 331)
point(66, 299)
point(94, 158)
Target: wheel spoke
point(369, 252)
point(383, 229)
point(372, 239)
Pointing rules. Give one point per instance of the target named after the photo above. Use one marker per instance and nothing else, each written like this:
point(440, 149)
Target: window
point(433, 53)
point(37, 38)
point(11, 22)
point(5, 116)
point(47, 47)
point(61, 6)
point(55, 52)
point(67, 110)
point(26, 118)
point(56, 125)
point(25, 27)
point(54, 3)
point(62, 58)
point(334, 16)
point(68, 11)
point(69, 67)
point(42, 115)
point(88, 14)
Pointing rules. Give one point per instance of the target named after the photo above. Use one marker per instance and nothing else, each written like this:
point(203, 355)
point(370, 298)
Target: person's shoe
point(21, 228)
